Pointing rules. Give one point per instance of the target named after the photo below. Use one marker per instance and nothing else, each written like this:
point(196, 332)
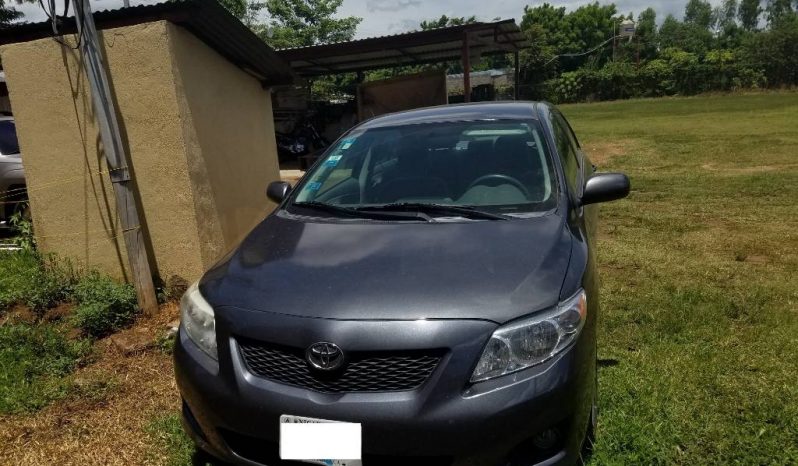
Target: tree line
point(747, 44)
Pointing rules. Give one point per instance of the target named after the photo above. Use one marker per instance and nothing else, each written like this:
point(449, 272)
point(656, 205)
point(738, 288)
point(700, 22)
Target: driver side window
point(566, 148)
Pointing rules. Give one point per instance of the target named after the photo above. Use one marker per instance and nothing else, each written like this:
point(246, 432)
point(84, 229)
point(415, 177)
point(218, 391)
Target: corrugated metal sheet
point(409, 48)
point(206, 19)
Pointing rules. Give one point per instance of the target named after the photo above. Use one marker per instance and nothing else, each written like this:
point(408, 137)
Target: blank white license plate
point(308, 439)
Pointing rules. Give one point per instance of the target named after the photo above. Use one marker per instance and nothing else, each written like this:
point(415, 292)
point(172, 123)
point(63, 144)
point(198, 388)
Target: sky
point(381, 17)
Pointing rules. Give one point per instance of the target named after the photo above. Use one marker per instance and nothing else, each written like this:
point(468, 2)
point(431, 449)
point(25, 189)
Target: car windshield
point(499, 166)
point(8, 138)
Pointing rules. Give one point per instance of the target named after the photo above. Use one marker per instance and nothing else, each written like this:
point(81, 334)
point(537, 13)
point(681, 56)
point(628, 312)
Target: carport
point(451, 43)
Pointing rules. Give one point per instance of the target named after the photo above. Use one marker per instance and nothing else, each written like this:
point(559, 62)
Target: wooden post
point(466, 69)
point(517, 73)
point(116, 157)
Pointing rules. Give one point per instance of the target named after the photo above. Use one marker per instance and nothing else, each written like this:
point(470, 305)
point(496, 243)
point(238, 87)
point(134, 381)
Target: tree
point(7, 15)
point(778, 11)
point(698, 12)
point(553, 28)
point(300, 23)
point(748, 13)
point(726, 15)
point(775, 52)
point(444, 21)
point(690, 37)
point(647, 34)
point(593, 24)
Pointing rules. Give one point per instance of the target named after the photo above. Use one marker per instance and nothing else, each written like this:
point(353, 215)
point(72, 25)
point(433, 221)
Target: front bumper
point(234, 415)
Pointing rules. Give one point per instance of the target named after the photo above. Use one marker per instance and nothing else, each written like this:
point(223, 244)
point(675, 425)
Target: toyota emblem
point(325, 356)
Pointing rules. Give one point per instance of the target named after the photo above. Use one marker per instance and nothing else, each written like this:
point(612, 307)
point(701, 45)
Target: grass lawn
point(699, 334)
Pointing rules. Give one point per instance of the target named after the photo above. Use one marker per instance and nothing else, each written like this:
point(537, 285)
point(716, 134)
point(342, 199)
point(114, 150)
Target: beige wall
point(228, 126)
point(197, 147)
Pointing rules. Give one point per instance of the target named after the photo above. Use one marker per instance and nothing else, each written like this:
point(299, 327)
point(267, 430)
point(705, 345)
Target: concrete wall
point(199, 133)
point(227, 123)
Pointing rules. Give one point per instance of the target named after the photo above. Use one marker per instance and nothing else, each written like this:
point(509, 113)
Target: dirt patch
point(59, 312)
point(601, 153)
point(104, 423)
point(19, 313)
point(752, 258)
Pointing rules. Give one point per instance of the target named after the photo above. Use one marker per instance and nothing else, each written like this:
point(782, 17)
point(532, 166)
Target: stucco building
point(192, 92)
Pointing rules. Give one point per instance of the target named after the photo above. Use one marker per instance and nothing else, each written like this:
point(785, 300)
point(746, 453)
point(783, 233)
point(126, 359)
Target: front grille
point(363, 372)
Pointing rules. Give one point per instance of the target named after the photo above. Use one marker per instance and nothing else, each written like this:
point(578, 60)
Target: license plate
point(306, 439)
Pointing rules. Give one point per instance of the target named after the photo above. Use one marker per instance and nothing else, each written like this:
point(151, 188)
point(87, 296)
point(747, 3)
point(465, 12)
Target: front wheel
point(590, 435)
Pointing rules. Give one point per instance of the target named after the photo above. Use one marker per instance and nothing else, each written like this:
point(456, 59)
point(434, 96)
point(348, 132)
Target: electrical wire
point(54, 20)
point(574, 55)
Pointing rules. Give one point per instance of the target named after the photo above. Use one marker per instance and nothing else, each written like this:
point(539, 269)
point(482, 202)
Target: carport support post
point(466, 69)
point(516, 74)
point(116, 157)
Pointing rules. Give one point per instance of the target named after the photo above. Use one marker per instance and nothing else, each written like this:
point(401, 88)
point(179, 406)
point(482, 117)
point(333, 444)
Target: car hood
point(492, 270)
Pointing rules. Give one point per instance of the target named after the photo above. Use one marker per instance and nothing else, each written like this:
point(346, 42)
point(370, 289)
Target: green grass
point(34, 360)
point(169, 438)
point(699, 271)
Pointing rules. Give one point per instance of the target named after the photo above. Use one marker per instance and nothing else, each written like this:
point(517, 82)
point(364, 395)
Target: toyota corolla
point(431, 281)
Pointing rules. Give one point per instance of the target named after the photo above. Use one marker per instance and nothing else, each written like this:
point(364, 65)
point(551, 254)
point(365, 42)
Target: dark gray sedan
point(431, 280)
point(13, 195)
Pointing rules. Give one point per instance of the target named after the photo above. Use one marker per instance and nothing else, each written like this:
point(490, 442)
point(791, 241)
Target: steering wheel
point(498, 177)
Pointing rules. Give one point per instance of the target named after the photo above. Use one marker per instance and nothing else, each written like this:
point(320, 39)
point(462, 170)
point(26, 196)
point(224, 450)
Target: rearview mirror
point(278, 190)
point(605, 187)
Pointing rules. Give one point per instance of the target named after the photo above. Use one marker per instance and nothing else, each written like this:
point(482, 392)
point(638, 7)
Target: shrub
point(103, 305)
point(33, 361)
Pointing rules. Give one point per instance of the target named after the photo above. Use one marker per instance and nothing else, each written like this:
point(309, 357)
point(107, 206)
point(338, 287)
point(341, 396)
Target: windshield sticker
point(332, 161)
point(461, 145)
point(313, 186)
point(347, 143)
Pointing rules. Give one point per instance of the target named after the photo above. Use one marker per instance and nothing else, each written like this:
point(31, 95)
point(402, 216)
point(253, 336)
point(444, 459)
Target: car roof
point(511, 110)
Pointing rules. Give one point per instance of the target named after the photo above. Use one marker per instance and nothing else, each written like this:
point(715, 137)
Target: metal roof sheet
point(408, 48)
point(206, 19)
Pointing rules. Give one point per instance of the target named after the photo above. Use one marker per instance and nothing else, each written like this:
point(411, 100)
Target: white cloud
point(390, 5)
point(377, 22)
point(382, 17)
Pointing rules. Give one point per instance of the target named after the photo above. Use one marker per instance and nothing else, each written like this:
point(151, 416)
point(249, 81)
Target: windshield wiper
point(347, 211)
point(459, 210)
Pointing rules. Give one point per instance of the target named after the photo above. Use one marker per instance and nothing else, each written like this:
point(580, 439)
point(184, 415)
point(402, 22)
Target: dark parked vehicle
point(431, 278)
point(13, 195)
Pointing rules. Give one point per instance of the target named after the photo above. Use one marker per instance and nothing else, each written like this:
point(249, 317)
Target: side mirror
point(278, 190)
point(605, 187)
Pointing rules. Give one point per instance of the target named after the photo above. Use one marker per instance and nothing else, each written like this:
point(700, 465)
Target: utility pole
point(116, 156)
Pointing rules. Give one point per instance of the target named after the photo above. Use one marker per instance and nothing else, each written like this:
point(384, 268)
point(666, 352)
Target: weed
point(36, 280)
point(33, 362)
point(103, 305)
point(23, 227)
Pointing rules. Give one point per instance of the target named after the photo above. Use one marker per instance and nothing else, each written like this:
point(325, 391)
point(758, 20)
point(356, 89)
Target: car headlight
point(533, 340)
point(198, 320)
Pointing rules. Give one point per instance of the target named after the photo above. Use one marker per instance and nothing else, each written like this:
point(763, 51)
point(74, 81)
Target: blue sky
point(382, 17)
